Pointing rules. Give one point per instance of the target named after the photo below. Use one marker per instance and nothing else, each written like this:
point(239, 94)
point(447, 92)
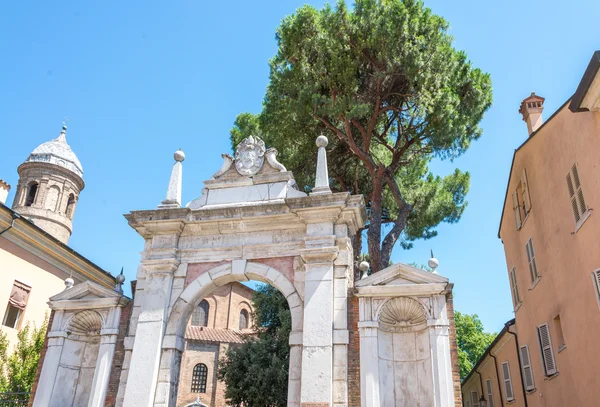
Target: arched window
point(243, 319)
point(31, 193)
point(200, 314)
point(199, 376)
point(70, 206)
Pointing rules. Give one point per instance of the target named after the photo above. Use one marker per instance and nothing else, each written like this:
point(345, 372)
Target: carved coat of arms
point(250, 156)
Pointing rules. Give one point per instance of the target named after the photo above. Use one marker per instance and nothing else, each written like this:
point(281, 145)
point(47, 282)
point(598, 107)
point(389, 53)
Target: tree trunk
point(392, 237)
point(374, 233)
point(357, 249)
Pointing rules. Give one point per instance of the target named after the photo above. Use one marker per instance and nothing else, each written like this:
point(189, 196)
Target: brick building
point(218, 322)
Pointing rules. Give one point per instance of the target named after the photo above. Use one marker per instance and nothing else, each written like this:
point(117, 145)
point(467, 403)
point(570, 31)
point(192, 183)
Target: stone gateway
point(251, 222)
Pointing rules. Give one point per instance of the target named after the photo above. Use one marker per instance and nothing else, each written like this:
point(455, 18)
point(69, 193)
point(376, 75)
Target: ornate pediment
point(399, 279)
point(87, 295)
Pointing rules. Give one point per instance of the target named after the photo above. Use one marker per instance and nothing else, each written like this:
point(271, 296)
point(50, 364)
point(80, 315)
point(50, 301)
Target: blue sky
point(139, 79)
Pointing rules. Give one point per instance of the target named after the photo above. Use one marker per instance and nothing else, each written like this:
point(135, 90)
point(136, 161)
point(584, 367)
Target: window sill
point(552, 377)
point(561, 348)
point(518, 306)
point(579, 224)
point(530, 391)
point(512, 401)
point(523, 222)
point(537, 280)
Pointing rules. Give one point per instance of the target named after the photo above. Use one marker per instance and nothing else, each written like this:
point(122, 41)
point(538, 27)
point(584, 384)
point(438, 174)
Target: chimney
point(4, 188)
point(531, 108)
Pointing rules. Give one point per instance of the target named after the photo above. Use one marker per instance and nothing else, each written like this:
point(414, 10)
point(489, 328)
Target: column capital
point(319, 254)
point(160, 266)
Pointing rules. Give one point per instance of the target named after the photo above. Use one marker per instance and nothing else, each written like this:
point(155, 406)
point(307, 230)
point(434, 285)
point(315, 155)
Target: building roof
point(24, 233)
point(204, 334)
point(586, 81)
point(57, 152)
point(497, 339)
point(512, 164)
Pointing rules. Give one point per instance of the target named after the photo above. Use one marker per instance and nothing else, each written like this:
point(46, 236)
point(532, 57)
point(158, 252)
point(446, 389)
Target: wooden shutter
point(512, 277)
point(475, 398)
point(531, 260)
point(19, 295)
point(527, 371)
point(490, 393)
point(516, 209)
point(525, 186)
point(596, 278)
point(576, 194)
point(546, 347)
point(508, 389)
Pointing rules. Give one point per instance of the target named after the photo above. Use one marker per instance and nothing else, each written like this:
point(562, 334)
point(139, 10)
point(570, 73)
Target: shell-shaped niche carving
point(85, 323)
point(402, 313)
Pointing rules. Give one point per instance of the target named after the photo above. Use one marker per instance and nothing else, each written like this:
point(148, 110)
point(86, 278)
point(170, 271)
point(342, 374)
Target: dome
point(57, 152)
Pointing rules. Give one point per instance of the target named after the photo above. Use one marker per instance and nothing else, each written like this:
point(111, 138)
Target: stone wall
point(353, 353)
point(454, 351)
point(118, 358)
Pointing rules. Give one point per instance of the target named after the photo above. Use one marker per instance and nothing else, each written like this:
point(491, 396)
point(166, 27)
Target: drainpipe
point(497, 376)
point(15, 216)
point(520, 367)
point(480, 382)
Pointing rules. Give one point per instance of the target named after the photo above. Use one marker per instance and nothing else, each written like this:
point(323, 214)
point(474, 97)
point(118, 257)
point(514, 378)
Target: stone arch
point(203, 286)
point(51, 199)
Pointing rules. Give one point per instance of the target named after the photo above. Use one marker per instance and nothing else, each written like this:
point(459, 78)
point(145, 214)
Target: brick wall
point(454, 351)
point(41, 362)
point(117, 364)
point(353, 353)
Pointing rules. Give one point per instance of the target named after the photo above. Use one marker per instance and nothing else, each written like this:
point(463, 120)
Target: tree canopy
point(382, 80)
point(256, 373)
point(471, 339)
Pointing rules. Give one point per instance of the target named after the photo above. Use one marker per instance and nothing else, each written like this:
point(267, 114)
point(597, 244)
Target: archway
point(205, 284)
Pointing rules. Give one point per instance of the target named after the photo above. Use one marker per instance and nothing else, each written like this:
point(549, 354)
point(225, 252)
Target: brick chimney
point(4, 188)
point(531, 108)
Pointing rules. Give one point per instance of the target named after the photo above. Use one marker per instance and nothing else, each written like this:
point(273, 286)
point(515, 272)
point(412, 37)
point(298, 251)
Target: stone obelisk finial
point(322, 178)
point(173, 199)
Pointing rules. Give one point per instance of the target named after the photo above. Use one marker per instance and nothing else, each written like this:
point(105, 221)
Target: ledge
point(579, 224)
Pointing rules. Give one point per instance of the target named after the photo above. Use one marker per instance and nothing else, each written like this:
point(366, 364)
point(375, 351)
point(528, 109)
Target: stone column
point(106, 351)
point(146, 356)
point(47, 378)
point(317, 351)
point(369, 363)
point(443, 386)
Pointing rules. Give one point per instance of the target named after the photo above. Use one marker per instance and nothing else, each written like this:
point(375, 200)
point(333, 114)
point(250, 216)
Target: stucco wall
point(44, 279)
point(565, 257)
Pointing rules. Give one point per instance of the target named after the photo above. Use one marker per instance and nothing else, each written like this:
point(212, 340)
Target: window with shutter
point(578, 204)
point(525, 193)
point(517, 209)
point(527, 371)
point(512, 277)
point(596, 278)
point(546, 348)
point(490, 393)
point(475, 398)
point(508, 389)
point(17, 302)
point(533, 272)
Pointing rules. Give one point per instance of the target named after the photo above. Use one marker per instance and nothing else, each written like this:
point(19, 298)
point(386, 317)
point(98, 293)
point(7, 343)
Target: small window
point(576, 194)
point(490, 393)
point(200, 314)
point(533, 272)
point(475, 398)
point(546, 349)
point(521, 200)
point(70, 206)
point(596, 282)
point(16, 305)
point(199, 376)
point(526, 365)
point(31, 194)
point(512, 277)
point(559, 333)
point(508, 388)
point(243, 319)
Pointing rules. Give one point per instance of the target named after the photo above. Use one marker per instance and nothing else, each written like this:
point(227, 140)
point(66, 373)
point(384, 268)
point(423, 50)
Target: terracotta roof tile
point(200, 333)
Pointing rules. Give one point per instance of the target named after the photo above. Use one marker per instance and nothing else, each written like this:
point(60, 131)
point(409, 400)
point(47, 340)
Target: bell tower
point(50, 181)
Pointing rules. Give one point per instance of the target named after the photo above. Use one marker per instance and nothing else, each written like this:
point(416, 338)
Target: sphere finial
point(433, 263)
point(364, 268)
point(69, 282)
point(179, 155)
point(322, 141)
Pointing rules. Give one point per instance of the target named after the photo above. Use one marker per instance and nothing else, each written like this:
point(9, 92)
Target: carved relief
point(250, 156)
point(402, 314)
point(85, 323)
point(271, 155)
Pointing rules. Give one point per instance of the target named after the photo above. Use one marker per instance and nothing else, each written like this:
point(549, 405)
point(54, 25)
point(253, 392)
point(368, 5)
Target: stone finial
point(69, 282)
point(120, 279)
point(433, 263)
point(4, 190)
point(322, 178)
point(364, 268)
point(173, 198)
